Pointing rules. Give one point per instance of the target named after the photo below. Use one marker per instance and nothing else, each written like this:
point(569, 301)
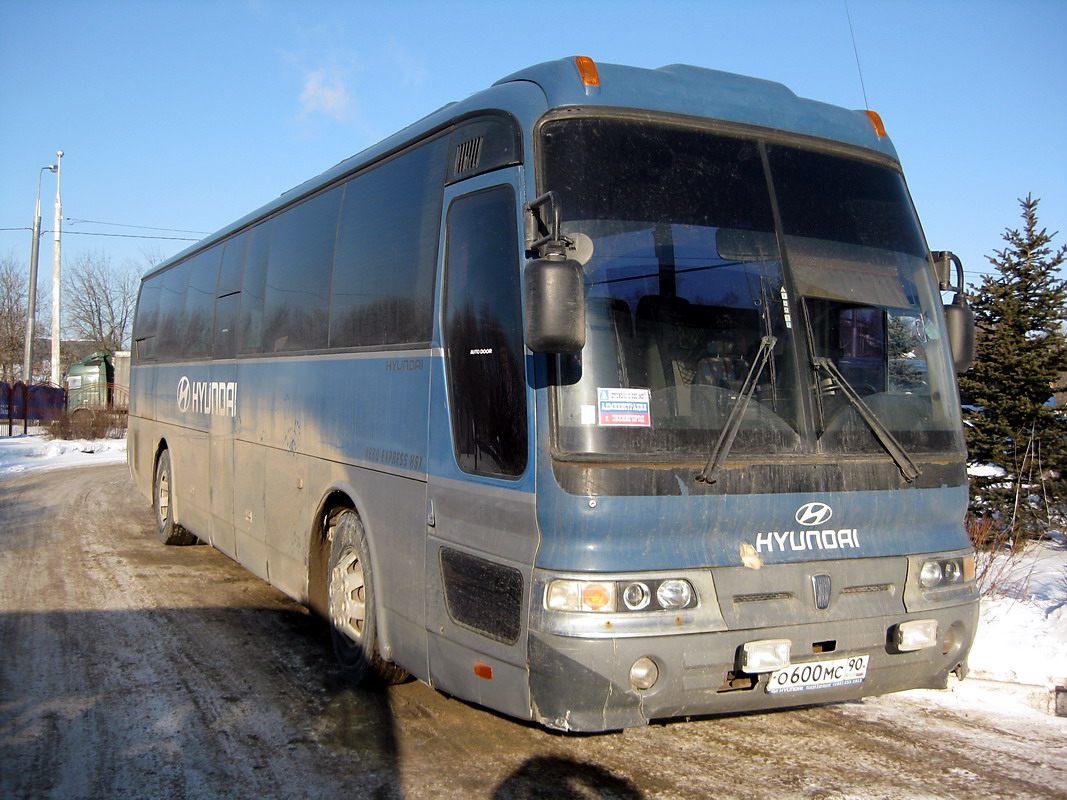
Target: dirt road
point(128, 669)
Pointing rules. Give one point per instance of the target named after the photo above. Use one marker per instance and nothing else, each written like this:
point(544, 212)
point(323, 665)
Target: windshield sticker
point(624, 407)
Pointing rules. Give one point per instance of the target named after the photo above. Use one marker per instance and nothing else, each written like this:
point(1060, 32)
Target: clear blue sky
point(190, 114)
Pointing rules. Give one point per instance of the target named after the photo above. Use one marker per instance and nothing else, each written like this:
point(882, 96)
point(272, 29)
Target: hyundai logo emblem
point(812, 515)
point(184, 390)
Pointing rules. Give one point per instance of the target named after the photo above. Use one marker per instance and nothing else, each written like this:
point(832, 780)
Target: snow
point(21, 454)
point(1020, 650)
point(1022, 635)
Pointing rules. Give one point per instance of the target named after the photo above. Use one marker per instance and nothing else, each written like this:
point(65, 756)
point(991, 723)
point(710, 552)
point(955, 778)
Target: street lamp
point(31, 303)
point(55, 276)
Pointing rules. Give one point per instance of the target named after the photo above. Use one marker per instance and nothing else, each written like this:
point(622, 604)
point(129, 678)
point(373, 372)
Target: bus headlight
point(674, 594)
point(612, 596)
point(942, 572)
point(636, 596)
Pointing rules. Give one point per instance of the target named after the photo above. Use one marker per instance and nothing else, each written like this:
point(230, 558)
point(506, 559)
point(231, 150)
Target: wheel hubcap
point(348, 595)
point(164, 498)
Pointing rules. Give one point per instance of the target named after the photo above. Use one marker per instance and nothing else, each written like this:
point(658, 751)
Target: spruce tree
point(1021, 354)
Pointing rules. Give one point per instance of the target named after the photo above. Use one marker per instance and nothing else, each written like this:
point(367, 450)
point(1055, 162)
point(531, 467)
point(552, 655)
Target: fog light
point(916, 635)
point(766, 655)
point(644, 673)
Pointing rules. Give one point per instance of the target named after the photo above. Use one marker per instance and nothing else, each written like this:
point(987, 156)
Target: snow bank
point(1022, 634)
point(20, 454)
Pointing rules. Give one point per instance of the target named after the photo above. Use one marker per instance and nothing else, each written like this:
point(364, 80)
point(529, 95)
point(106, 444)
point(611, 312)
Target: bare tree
point(12, 318)
point(99, 301)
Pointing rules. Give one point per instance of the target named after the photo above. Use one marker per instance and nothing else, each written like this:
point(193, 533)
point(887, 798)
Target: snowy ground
point(1020, 650)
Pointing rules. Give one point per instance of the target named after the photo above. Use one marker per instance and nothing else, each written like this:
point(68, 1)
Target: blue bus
point(602, 396)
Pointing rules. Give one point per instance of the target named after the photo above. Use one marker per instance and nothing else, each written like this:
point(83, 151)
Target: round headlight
point(953, 572)
point(636, 596)
point(931, 574)
point(674, 594)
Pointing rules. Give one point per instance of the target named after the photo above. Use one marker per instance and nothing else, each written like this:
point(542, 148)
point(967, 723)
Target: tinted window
point(387, 250)
point(250, 328)
point(200, 303)
point(172, 311)
point(844, 200)
point(147, 318)
point(233, 264)
point(483, 334)
point(229, 295)
point(296, 304)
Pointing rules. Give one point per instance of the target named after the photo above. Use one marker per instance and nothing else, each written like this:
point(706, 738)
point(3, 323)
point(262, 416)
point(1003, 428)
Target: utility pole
point(56, 276)
point(31, 297)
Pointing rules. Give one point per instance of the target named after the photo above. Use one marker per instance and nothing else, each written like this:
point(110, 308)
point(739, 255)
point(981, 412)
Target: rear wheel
point(350, 588)
point(162, 499)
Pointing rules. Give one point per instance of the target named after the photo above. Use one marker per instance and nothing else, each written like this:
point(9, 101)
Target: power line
point(121, 235)
point(131, 236)
point(71, 221)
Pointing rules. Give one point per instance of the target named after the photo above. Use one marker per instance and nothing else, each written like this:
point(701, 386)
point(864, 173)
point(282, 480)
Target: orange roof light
point(876, 123)
point(587, 70)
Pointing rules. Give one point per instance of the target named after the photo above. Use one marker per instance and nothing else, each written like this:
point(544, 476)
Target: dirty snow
point(21, 454)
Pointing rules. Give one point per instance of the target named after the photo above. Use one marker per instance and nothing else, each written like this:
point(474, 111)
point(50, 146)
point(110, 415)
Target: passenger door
point(482, 532)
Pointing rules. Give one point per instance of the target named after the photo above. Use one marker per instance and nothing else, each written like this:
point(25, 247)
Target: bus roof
point(699, 92)
point(678, 88)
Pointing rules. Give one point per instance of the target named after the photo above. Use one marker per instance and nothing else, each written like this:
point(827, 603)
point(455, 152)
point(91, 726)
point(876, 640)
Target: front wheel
point(163, 501)
point(353, 624)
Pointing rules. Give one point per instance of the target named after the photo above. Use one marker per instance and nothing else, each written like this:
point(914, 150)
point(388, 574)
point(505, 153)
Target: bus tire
point(353, 621)
point(168, 530)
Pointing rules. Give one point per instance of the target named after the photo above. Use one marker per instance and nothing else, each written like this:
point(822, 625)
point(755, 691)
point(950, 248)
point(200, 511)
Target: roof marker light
point(876, 123)
point(587, 70)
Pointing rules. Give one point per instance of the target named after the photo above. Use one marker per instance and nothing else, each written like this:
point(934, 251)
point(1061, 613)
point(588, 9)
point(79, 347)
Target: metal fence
point(29, 408)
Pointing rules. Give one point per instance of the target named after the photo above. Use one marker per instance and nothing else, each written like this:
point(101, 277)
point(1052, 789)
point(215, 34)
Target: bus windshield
point(720, 260)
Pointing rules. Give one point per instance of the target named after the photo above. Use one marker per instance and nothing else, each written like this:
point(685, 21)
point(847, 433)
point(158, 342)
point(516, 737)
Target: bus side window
point(384, 271)
point(200, 303)
point(297, 298)
point(146, 320)
point(169, 344)
point(228, 295)
point(253, 287)
point(483, 334)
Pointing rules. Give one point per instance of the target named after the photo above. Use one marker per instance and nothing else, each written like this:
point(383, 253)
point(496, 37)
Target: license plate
point(819, 675)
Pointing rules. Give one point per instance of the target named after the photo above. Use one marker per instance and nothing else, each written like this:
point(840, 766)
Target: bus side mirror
point(959, 318)
point(959, 324)
point(554, 289)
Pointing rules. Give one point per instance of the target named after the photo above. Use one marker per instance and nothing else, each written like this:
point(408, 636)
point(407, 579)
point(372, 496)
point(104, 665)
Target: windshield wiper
point(908, 468)
point(737, 412)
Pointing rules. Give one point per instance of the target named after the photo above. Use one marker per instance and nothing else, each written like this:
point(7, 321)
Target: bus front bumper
point(582, 684)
